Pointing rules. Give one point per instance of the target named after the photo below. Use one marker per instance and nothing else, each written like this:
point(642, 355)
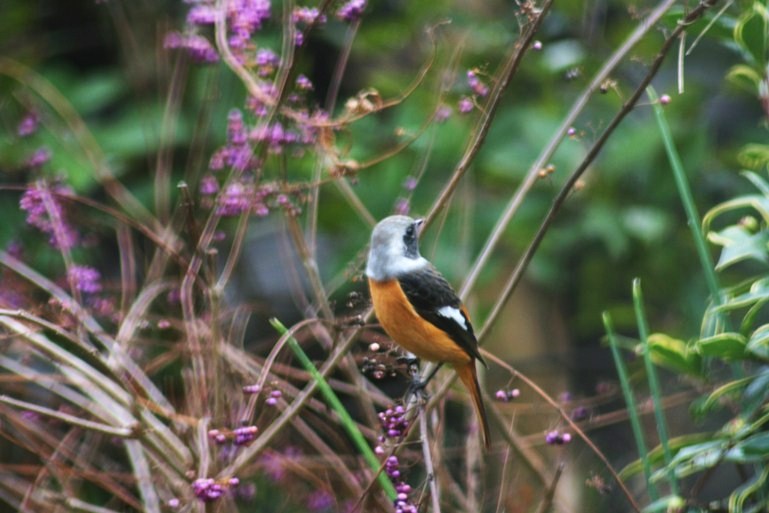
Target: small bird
point(417, 307)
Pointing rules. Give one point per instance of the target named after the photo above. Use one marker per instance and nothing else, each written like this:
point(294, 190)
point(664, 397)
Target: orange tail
point(469, 377)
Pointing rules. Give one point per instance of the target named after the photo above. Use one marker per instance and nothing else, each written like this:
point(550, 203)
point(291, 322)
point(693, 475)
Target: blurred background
point(144, 105)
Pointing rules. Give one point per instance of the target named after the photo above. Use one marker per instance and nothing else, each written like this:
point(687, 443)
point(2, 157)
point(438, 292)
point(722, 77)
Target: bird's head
point(394, 248)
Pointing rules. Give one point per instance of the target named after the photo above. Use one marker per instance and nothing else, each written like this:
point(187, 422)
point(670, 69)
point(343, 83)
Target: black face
point(411, 240)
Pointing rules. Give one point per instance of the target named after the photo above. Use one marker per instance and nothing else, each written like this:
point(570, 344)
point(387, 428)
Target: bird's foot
point(417, 387)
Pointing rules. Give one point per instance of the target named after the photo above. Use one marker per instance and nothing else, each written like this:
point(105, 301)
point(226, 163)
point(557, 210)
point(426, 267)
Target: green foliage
point(743, 439)
point(740, 227)
point(674, 354)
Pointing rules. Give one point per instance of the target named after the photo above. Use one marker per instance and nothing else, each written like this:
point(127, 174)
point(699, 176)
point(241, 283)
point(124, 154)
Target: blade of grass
point(347, 422)
point(627, 392)
point(117, 431)
point(142, 473)
point(693, 219)
point(654, 384)
point(692, 216)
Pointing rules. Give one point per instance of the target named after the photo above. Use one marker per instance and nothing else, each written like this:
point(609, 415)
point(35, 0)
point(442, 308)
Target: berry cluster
point(378, 366)
point(395, 425)
point(402, 502)
point(555, 437)
point(207, 489)
point(507, 395)
point(239, 436)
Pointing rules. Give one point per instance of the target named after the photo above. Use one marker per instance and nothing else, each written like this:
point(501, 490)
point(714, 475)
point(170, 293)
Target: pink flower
point(208, 185)
point(202, 15)
point(442, 114)
point(28, 125)
point(303, 83)
point(45, 212)
point(85, 279)
point(266, 61)
point(39, 157)
point(351, 11)
point(198, 47)
point(476, 84)
point(307, 15)
point(236, 199)
point(465, 105)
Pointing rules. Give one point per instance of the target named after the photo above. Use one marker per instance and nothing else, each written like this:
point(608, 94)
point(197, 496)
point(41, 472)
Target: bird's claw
point(417, 387)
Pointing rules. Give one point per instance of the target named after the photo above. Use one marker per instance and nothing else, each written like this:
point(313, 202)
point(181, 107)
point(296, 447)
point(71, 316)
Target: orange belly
point(408, 329)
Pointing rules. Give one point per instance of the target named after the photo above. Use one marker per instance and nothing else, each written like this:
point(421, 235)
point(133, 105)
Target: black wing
point(428, 291)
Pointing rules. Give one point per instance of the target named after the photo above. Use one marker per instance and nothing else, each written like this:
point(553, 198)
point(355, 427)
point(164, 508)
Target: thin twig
point(544, 507)
point(435, 496)
point(531, 458)
point(164, 161)
point(483, 125)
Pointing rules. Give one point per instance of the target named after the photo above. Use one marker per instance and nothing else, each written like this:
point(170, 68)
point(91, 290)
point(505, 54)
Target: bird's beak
point(419, 223)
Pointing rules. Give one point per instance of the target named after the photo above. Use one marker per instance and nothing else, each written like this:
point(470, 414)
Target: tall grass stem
point(632, 409)
point(654, 384)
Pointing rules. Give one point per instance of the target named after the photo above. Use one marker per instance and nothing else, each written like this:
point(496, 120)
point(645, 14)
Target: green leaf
point(751, 34)
point(740, 244)
point(743, 428)
point(656, 456)
point(745, 77)
point(755, 201)
point(746, 325)
point(136, 132)
point(724, 345)
point(759, 291)
point(668, 504)
point(697, 458)
point(751, 450)
point(754, 156)
point(738, 498)
point(759, 342)
point(96, 91)
point(674, 354)
point(756, 394)
point(730, 388)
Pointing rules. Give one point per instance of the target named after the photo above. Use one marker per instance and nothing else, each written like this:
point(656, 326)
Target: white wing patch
point(454, 314)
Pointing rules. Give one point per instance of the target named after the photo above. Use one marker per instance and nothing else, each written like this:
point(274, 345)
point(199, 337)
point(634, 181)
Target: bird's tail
point(469, 377)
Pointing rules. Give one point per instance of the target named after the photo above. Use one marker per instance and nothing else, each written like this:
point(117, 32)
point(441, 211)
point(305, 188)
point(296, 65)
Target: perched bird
point(417, 307)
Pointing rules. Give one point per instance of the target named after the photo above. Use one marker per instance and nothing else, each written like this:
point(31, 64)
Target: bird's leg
point(418, 385)
point(431, 375)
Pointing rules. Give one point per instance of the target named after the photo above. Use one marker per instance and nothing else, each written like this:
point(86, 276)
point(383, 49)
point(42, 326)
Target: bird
point(417, 307)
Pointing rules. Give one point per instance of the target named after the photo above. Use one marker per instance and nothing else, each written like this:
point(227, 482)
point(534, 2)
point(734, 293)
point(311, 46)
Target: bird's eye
point(410, 231)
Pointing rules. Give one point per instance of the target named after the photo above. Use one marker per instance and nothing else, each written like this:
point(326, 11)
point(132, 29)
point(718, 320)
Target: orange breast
point(408, 329)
